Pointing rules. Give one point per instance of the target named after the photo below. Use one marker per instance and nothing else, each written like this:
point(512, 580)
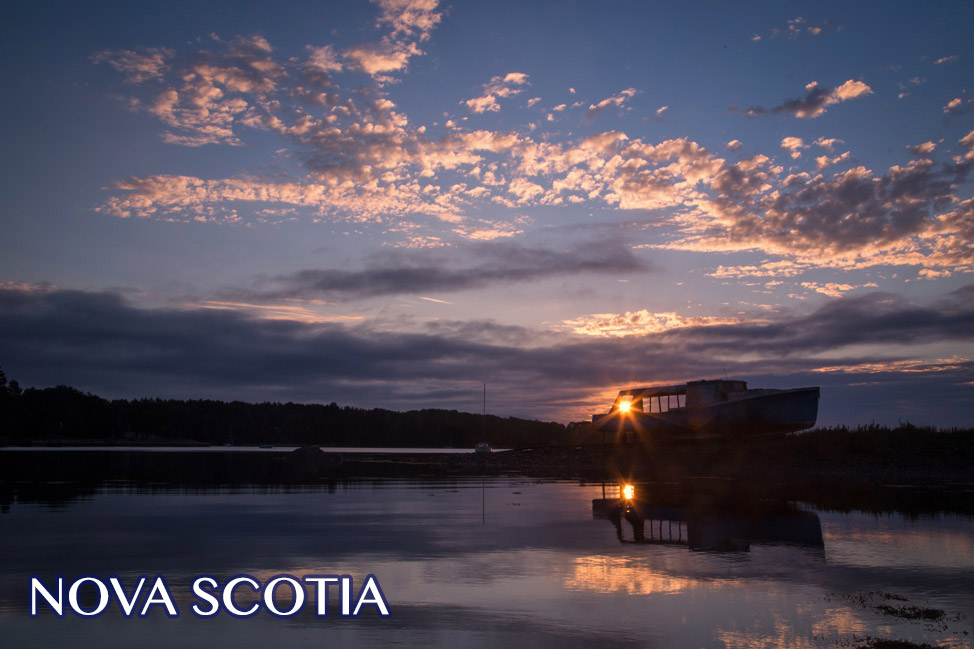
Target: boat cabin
point(673, 397)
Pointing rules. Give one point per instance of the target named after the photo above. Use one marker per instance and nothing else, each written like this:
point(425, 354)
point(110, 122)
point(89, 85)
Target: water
point(233, 449)
point(493, 562)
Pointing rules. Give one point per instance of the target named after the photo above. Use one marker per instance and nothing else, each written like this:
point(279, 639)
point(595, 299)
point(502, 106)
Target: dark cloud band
point(99, 342)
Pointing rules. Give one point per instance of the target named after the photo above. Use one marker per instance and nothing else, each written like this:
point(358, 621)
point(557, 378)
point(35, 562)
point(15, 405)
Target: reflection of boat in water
point(715, 525)
point(710, 408)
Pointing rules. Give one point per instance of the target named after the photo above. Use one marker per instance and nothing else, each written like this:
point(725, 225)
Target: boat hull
point(772, 411)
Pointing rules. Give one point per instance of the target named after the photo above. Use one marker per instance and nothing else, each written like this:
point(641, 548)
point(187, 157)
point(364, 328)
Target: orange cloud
point(637, 323)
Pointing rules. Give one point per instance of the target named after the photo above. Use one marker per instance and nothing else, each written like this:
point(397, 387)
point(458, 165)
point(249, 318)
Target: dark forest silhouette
point(62, 414)
point(66, 415)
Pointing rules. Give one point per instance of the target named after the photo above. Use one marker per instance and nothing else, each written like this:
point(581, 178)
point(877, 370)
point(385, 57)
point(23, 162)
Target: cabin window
point(665, 403)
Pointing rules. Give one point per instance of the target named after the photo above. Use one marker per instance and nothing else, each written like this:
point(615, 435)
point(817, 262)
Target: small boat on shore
point(482, 447)
point(709, 409)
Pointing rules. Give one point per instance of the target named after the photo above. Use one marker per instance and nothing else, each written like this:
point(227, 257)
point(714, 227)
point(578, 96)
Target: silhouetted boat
point(710, 408)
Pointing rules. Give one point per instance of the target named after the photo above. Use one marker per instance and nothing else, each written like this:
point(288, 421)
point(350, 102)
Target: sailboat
point(483, 447)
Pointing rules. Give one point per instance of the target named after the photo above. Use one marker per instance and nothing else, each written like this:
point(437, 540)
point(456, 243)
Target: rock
point(310, 461)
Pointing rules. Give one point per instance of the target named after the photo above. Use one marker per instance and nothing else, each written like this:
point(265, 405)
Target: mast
point(485, 412)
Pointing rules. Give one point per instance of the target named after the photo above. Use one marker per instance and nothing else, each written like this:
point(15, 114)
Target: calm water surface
point(232, 449)
point(488, 563)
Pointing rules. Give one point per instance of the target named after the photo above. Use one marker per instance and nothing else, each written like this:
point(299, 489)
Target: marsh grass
point(913, 612)
point(887, 643)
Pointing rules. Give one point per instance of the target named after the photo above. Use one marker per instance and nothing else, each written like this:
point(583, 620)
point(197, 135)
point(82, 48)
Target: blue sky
point(388, 204)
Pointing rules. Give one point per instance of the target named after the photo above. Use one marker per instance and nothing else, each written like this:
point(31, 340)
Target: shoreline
point(899, 477)
point(886, 457)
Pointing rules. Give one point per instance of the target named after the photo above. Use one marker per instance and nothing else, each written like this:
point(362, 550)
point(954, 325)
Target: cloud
point(954, 364)
point(99, 342)
point(618, 101)
point(851, 90)
point(828, 143)
point(502, 262)
point(795, 28)
point(833, 289)
point(409, 17)
point(497, 88)
point(924, 149)
point(852, 219)
point(946, 59)
point(780, 268)
point(308, 311)
point(816, 99)
point(376, 59)
point(637, 323)
point(212, 91)
point(138, 67)
point(904, 87)
point(488, 231)
point(214, 95)
point(323, 59)
point(908, 216)
point(958, 106)
point(823, 161)
point(411, 22)
point(793, 145)
point(186, 198)
point(378, 167)
point(355, 157)
point(27, 287)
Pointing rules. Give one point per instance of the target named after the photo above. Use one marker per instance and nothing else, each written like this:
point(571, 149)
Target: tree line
point(63, 414)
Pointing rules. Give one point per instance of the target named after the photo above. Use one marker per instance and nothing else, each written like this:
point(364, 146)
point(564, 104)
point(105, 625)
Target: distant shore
point(769, 460)
point(903, 455)
point(927, 477)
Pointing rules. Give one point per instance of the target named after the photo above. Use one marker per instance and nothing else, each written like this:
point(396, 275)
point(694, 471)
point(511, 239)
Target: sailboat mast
point(485, 412)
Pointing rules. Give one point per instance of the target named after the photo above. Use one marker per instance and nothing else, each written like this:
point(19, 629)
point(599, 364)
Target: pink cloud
point(138, 67)
point(357, 157)
point(497, 88)
point(815, 101)
point(616, 100)
point(793, 145)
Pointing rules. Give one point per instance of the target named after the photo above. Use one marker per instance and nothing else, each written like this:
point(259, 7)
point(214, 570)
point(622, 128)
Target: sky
point(393, 203)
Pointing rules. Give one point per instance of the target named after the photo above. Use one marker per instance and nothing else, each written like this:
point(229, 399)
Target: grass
point(885, 643)
point(913, 612)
